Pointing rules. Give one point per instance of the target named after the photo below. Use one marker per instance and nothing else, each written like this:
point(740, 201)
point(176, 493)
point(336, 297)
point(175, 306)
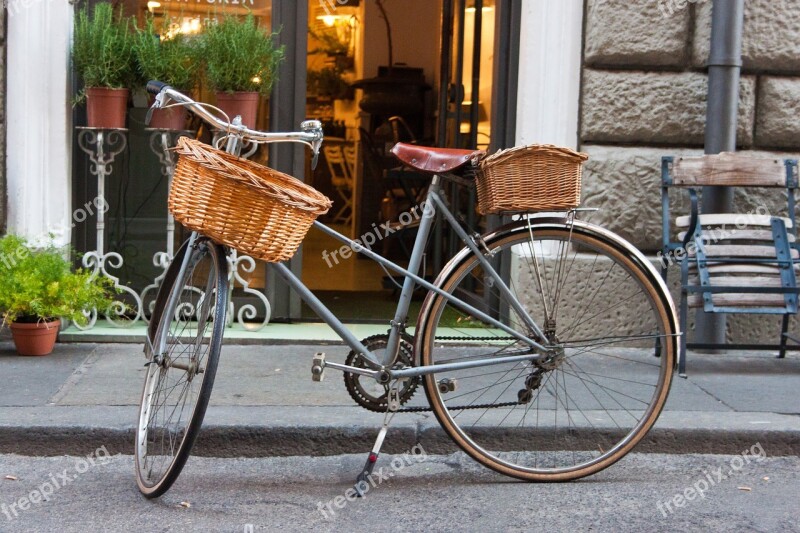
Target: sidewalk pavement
point(264, 403)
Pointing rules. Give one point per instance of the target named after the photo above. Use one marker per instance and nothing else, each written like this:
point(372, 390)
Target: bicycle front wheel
point(595, 397)
point(189, 316)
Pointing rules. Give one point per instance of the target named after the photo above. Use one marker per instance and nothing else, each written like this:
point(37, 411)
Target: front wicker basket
point(256, 210)
point(530, 178)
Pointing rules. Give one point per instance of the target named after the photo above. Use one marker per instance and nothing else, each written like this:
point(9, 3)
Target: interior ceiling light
point(329, 20)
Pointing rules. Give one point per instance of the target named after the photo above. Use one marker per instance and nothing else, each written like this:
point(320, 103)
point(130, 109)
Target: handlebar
point(310, 134)
point(154, 86)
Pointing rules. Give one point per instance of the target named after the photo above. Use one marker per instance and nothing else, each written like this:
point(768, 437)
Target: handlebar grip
point(154, 86)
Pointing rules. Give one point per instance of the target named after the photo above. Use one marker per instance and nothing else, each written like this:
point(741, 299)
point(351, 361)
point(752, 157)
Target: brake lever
point(158, 103)
point(149, 116)
point(315, 127)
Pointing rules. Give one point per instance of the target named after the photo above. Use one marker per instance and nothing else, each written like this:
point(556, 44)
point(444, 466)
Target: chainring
point(364, 393)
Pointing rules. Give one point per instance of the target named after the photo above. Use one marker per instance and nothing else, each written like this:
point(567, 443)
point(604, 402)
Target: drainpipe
point(724, 71)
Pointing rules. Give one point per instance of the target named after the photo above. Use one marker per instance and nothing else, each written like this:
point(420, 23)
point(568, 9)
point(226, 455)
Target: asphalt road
point(643, 492)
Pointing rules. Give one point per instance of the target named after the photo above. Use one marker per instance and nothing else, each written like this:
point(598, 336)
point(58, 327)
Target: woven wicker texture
point(530, 178)
point(256, 210)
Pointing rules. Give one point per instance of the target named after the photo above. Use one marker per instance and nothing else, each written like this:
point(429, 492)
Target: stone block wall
point(2, 120)
point(644, 96)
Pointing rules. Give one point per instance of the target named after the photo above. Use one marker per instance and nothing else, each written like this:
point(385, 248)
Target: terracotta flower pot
point(35, 339)
point(106, 108)
point(244, 104)
point(173, 118)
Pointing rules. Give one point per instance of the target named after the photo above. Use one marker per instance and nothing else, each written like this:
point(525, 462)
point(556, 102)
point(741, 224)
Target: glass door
point(465, 101)
point(468, 49)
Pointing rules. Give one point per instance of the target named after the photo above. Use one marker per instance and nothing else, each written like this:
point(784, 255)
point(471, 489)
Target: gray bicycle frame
point(433, 202)
point(412, 279)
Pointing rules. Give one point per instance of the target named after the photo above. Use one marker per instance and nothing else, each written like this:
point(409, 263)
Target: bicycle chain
point(374, 407)
point(463, 407)
point(475, 338)
point(458, 408)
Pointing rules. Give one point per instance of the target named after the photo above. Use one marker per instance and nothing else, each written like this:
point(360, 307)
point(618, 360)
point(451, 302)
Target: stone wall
point(2, 120)
point(644, 96)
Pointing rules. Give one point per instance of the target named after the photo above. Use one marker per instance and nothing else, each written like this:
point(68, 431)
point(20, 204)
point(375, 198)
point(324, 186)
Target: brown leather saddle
point(434, 160)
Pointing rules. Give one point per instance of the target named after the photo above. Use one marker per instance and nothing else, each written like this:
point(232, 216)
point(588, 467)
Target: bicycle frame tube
point(326, 315)
point(417, 253)
point(487, 267)
point(449, 367)
point(323, 312)
point(411, 280)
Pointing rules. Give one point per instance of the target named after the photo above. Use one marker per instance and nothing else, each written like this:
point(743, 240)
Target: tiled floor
point(236, 334)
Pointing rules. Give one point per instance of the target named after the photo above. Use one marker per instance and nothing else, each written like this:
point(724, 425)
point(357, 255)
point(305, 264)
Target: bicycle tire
point(209, 261)
point(536, 448)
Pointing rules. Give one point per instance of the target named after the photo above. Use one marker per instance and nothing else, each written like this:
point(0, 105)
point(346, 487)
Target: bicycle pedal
point(318, 367)
point(447, 385)
point(394, 399)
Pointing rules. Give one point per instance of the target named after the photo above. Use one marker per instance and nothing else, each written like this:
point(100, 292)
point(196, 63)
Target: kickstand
point(362, 481)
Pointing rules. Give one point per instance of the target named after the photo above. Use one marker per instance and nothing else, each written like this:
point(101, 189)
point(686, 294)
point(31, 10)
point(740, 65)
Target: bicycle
point(513, 345)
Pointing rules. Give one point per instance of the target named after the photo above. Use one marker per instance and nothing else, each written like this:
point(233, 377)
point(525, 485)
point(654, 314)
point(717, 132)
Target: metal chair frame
point(692, 251)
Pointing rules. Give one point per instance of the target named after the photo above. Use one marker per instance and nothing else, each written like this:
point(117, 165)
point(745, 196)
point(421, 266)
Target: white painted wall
point(550, 72)
point(39, 119)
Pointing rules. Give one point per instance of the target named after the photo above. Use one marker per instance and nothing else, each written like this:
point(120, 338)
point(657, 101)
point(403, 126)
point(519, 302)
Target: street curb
point(270, 441)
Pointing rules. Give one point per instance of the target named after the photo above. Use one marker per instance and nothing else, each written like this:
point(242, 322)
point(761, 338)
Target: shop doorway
point(438, 91)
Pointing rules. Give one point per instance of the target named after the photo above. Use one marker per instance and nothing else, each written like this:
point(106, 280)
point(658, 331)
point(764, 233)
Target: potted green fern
point(172, 61)
point(102, 53)
point(329, 82)
point(241, 60)
point(38, 287)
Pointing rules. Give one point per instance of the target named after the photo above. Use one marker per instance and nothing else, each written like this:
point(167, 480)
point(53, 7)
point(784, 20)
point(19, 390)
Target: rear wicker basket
point(256, 210)
point(530, 178)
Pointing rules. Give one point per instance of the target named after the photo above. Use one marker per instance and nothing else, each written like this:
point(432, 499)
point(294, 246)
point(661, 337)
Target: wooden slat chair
point(732, 262)
point(342, 180)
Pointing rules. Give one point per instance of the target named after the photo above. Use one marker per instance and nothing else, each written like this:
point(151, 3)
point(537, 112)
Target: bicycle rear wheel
point(592, 401)
point(190, 313)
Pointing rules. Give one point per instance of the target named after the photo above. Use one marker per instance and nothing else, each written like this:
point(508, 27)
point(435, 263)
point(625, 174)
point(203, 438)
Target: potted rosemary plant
point(172, 61)
point(37, 288)
point(102, 54)
point(241, 60)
